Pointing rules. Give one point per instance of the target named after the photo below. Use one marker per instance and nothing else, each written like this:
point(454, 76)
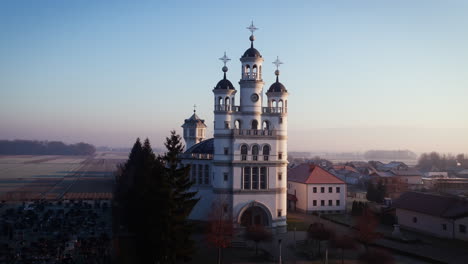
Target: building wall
point(300, 190)
point(459, 234)
point(326, 196)
point(425, 223)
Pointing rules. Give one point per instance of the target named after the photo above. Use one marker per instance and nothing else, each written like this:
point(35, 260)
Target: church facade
point(242, 170)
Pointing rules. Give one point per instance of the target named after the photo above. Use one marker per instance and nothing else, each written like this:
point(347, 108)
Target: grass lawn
point(299, 224)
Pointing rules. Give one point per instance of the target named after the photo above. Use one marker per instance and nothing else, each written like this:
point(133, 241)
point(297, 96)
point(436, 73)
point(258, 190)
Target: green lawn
point(297, 223)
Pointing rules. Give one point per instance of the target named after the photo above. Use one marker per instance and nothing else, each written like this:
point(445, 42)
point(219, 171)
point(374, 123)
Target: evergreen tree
point(380, 192)
point(370, 195)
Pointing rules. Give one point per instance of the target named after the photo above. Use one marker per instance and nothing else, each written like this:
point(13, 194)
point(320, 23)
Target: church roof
point(204, 147)
point(225, 84)
point(194, 120)
point(311, 174)
point(277, 87)
point(251, 52)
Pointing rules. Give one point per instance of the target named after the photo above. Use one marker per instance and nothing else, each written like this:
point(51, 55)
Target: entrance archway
point(255, 214)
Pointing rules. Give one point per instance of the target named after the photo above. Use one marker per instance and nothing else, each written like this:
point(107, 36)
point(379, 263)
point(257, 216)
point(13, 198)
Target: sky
point(361, 74)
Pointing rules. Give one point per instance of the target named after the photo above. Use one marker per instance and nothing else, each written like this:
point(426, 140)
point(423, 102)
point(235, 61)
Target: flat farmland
point(58, 177)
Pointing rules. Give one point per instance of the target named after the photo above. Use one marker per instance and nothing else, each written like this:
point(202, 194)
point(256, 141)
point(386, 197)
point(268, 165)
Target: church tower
point(194, 130)
point(243, 168)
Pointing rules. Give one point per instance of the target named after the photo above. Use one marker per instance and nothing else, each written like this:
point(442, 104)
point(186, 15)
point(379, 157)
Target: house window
point(280, 176)
point(337, 202)
point(314, 189)
point(314, 202)
point(322, 202)
point(280, 155)
point(330, 202)
point(338, 190)
point(444, 226)
point(330, 189)
point(415, 219)
point(462, 229)
point(226, 151)
point(279, 213)
point(322, 189)
point(225, 176)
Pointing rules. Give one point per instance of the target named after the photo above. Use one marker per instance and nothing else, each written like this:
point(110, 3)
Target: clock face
point(254, 97)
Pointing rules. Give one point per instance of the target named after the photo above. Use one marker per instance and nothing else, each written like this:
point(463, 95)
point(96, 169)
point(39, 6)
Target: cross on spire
point(252, 28)
point(277, 62)
point(194, 108)
point(224, 59)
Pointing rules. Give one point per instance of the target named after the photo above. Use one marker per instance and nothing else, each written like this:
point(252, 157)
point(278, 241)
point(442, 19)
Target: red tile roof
point(311, 174)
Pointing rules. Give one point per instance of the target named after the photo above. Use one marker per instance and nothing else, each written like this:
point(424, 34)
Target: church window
point(226, 124)
point(263, 178)
point(266, 152)
point(280, 176)
point(237, 124)
point(225, 176)
point(255, 152)
point(244, 152)
point(255, 178)
point(254, 71)
point(255, 124)
point(280, 155)
point(266, 125)
point(194, 173)
point(281, 120)
point(280, 106)
point(226, 151)
point(200, 174)
point(207, 174)
point(279, 212)
point(247, 178)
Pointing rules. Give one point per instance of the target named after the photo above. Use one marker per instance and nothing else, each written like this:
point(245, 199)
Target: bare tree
point(220, 227)
point(257, 234)
point(317, 231)
point(366, 225)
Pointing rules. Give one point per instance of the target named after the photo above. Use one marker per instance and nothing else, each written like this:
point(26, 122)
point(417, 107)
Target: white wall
point(326, 196)
point(425, 223)
point(300, 190)
point(458, 234)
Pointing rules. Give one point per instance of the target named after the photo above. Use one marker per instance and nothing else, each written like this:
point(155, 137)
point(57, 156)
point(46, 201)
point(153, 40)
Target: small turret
point(194, 130)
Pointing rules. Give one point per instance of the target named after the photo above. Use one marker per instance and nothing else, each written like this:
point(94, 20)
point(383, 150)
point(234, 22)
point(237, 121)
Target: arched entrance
point(255, 214)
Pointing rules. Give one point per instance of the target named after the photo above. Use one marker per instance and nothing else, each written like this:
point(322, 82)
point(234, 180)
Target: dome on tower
point(277, 87)
point(252, 53)
point(225, 84)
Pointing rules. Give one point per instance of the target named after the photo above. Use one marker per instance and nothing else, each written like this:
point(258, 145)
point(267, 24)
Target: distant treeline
point(390, 154)
point(436, 161)
point(33, 147)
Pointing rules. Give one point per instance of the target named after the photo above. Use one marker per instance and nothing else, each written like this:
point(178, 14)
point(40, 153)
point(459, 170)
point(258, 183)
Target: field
point(29, 177)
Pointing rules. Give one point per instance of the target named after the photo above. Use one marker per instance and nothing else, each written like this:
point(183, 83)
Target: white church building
point(243, 168)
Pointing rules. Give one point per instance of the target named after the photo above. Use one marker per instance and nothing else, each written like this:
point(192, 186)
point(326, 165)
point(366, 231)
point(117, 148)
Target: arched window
point(280, 106)
point(266, 152)
point(244, 151)
point(254, 71)
point(220, 100)
point(237, 124)
point(255, 124)
point(247, 71)
point(274, 104)
point(226, 103)
point(266, 125)
point(255, 152)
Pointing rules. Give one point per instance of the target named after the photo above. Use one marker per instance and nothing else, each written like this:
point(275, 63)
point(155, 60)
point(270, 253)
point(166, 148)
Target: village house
point(441, 216)
point(313, 189)
point(398, 181)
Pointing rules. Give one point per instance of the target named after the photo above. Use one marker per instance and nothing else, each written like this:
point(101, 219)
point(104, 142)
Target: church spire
point(225, 59)
point(277, 63)
point(252, 29)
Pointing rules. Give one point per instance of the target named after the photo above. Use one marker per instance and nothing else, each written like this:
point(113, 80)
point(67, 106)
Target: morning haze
point(361, 75)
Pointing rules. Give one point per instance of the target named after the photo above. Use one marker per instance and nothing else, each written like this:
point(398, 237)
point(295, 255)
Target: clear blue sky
point(361, 74)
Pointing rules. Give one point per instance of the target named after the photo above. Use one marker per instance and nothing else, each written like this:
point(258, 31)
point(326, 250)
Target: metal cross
point(225, 59)
point(194, 108)
point(277, 62)
point(252, 28)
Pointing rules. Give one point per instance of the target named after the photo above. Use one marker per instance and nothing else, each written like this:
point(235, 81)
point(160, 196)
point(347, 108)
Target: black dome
point(204, 147)
point(224, 84)
point(277, 87)
point(251, 52)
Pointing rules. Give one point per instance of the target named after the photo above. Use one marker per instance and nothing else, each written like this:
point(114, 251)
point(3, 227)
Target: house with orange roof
point(313, 189)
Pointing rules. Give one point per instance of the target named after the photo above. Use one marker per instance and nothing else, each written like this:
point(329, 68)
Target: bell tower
point(194, 130)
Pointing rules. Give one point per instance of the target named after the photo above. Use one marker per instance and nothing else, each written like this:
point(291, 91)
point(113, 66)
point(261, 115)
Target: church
point(242, 169)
